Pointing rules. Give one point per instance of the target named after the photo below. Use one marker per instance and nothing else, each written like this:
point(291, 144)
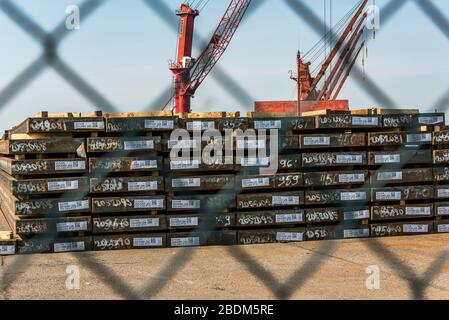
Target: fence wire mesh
point(50, 58)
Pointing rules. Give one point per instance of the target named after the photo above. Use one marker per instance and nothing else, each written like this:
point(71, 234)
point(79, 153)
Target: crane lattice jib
point(218, 43)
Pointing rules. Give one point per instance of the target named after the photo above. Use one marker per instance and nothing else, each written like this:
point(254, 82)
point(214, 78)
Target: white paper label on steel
point(147, 242)
point(387, 158)
point(416, 228)
point(255, 182)
point(385, 176)
point(143, 164)
point(69, 165)
point(356, 215)
point(144, 223)
point(186, 183)
point(185, 242)
point(419, 137)
point(200, 125)
point(355, 233)
point(431, 120)
point(443, 211)
point(418, 211)
point(142, 185)
point(62, 185)
point(443, 193)
point(272, 124)
point(289, 217)
point(73, 205)
point(148, 204)
point(351, 177)
point(285, 200)
point(349, 159)
point(71, 226)
point(139, 145)
point(69, 246)
point(251, 144)
point(94, 125)
point(365, 121)
point(443, 228)
point(184, 222)
point(353, 196)
point(180, 144)
point(184, 164)
point(317, 141)
point(253, 162)
point(7, 250)
point(186, 204)
point(388, 195)
point(159, 124)
point(289, 236)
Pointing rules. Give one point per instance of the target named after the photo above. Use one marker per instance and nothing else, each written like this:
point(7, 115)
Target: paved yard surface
point(309, 270)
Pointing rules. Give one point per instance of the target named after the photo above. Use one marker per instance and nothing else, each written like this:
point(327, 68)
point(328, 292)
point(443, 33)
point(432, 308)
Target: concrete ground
point(308, 270)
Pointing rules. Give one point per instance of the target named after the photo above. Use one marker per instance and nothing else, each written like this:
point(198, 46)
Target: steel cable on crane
point(197, 4)
point(319, 53)
point(204, 6)
point(333, 40)
point(321, 43)
point(335, 36)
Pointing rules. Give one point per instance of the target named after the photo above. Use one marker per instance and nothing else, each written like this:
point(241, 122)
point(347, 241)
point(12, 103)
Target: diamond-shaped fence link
point(51, 59)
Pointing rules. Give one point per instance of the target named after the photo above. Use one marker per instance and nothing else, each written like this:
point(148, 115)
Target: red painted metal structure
point(310, 97)
point(337, 47)
point(189, 73)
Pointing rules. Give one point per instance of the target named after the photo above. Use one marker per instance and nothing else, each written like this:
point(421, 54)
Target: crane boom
point(341, 59)
point(347, 61)
point(348, 71)
point(219, 42)
point(190, 74)
point(337, 47)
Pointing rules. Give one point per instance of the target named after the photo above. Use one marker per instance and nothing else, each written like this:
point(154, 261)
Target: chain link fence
point(50, 58)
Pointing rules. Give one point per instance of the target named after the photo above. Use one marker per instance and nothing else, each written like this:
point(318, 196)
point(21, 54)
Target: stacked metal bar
point(118, 181)
point(403, 188)
point(200, 198)
point(335, 164)
point(126, 185)
point(7, 242)
point(440, 159)
point(270, 207)
point(44, 190)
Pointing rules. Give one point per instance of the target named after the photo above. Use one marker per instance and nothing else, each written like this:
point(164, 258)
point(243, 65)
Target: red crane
point(188, 72)
point(340, 61)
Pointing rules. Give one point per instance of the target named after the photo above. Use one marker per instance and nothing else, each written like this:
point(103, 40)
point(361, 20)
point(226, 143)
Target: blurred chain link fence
point(50, 58)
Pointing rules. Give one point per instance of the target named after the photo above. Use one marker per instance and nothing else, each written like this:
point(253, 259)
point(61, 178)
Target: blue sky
point(123, 50)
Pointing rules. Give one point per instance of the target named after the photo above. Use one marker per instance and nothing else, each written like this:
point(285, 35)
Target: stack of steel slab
point(151, 180)
point(200, 196)
point(44, 190)
point(126, 185)
point(440, 159)
point(402, 184)
point(270, 205)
